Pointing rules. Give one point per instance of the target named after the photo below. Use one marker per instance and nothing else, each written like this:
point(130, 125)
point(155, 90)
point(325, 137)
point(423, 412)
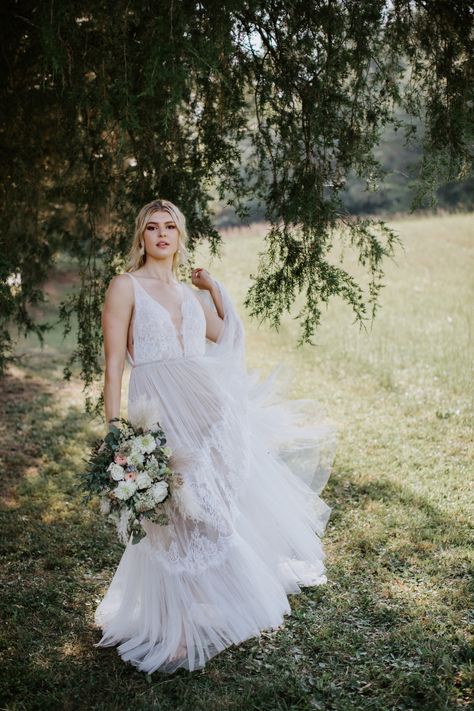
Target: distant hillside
point(394, 194)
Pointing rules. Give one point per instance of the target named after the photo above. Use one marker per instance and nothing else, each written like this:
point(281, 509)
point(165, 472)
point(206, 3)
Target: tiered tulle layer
point(244, 532)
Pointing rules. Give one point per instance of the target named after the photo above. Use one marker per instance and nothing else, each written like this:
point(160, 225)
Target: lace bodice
point(155, 337)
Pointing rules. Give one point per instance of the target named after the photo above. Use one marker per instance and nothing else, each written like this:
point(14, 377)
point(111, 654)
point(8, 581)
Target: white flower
point(152, 466)
point(166, 451)
point(145, 444)
point(124, 490)
point(104, 505)
point(143, 481)
point(136, 444)
point(135, 458)
point(148, 443)
point(116, 471)
point(159, 491)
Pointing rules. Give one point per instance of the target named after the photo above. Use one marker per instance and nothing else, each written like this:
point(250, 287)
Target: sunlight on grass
point(390, 630)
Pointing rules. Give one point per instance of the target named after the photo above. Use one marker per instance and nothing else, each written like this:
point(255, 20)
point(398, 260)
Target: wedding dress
point(245, 528)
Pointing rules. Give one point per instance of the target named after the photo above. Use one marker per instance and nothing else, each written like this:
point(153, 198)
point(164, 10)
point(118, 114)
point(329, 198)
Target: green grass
point(390, 630)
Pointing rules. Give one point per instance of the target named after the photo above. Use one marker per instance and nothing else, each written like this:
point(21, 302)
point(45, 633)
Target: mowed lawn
point(390, 630)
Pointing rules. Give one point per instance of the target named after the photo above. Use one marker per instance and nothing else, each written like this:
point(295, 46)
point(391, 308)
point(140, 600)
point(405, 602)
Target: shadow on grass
point(345, 646)
point(405, 510)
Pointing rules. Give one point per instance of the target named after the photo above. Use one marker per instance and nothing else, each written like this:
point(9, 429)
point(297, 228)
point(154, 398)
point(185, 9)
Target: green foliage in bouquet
point(129, 472)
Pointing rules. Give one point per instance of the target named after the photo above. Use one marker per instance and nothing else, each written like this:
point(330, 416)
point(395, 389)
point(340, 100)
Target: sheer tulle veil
point(302, 433)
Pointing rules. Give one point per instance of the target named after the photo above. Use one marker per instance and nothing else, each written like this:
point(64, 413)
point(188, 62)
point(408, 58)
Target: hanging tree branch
point(163, 99)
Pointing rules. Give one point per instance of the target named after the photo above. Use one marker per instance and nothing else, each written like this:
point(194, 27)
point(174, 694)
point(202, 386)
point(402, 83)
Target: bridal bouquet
point(129, 471)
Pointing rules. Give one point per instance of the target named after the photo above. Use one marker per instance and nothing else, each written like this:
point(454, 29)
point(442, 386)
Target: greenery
point(400, 163)
point(110, 104)
point(390, 630)
point(98, 482)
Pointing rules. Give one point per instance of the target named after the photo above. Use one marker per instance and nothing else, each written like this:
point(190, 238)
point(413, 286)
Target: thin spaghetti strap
point(135, 283)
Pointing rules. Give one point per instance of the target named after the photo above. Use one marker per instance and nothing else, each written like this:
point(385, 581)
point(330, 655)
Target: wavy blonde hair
point(136, 258)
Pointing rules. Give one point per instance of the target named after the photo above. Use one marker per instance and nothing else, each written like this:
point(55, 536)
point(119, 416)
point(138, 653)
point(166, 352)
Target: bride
point(245, 528)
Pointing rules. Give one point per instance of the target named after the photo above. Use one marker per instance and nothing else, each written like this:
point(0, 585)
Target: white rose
point(143, 481)
point(116, 471)
point(159, 491)
point(124, 490)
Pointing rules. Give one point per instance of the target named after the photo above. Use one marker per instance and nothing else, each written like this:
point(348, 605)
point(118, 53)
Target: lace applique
point(155, 336)
point(195, 540)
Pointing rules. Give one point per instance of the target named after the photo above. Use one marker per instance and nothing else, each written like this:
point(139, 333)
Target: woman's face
point(160, 235)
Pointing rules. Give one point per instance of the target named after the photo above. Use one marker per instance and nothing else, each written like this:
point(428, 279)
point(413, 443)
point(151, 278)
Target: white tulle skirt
point(245, 528)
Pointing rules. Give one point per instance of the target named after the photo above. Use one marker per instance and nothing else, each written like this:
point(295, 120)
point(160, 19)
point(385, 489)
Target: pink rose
point(118, 459)
point(130, 476)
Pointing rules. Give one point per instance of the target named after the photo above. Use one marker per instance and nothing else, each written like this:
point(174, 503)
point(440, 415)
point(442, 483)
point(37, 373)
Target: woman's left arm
point(214, 318)
point(217, 299)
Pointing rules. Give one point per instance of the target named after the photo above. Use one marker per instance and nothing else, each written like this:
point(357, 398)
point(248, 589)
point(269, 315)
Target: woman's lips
point(162, 244)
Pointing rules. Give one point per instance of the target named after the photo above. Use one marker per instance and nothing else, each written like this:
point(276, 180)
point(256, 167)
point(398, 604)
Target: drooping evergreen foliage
point(107, 105)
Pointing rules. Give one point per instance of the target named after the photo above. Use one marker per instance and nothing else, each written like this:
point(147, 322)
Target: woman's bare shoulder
point(121, 286)
point(122, 279)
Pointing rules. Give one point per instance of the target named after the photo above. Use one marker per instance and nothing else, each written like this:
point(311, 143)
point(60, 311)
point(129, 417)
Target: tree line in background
point(276, 106)
point(394, 194)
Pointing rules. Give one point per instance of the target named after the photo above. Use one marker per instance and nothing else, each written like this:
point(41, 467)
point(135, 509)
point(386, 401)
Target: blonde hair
point(136, 257)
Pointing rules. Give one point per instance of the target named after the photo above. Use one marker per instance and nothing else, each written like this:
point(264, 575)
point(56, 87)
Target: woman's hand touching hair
point(202, 279)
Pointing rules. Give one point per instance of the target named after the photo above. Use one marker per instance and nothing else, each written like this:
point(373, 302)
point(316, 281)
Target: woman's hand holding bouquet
point(129, 471)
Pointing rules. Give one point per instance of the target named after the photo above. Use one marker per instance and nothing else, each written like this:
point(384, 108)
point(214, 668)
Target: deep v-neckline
point(179, 333)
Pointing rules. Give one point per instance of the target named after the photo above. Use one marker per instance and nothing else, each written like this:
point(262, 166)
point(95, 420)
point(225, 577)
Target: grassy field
point(390, 630)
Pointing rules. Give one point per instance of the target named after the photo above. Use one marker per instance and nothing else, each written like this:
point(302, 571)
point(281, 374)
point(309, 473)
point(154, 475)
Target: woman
point(244, 529)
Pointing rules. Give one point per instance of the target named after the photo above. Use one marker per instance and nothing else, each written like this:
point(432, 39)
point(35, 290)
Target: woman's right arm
point(116, 315)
